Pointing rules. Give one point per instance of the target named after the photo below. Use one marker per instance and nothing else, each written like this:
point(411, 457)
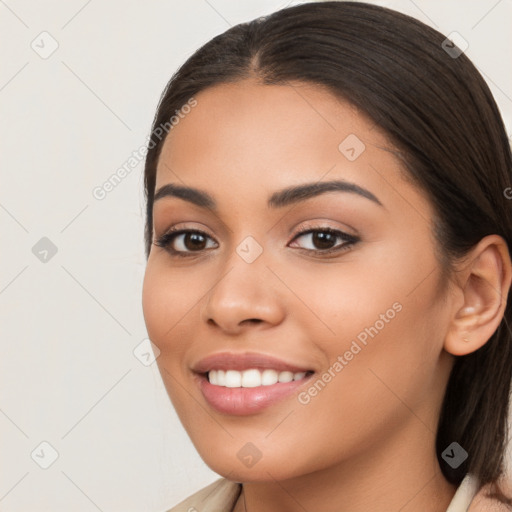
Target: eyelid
point(183, 226)
point(324, 223)
point(326, 229)
point(317, 226)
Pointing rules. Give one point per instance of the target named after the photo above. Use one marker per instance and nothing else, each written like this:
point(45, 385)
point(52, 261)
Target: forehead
point(254, 125)
point(246, 137)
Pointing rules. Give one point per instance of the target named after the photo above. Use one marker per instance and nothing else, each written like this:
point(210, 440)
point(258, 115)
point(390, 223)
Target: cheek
point(168, 300)
point(383, 314)
point(155, 305)
point(166, 305)
point(354, 293)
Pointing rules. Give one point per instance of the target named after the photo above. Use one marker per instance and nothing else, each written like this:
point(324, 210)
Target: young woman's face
point(357, 299)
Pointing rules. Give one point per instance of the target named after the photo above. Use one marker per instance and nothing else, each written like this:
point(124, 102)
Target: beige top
point(221, 496)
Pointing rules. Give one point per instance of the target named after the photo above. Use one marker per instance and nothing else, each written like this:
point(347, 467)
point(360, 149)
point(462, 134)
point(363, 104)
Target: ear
point(482, 286)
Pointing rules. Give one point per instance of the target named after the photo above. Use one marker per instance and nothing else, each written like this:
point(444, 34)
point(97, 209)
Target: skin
point(366, 441)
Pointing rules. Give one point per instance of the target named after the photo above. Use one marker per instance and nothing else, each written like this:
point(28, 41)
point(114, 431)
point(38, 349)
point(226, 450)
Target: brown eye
point(194, 241)
point(323, 240)
point(183, 242)
point(326, 240)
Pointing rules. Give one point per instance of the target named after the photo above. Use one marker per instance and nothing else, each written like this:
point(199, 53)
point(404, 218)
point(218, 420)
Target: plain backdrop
point(85, 422)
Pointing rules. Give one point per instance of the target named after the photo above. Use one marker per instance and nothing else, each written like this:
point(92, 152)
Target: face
point(338, 281)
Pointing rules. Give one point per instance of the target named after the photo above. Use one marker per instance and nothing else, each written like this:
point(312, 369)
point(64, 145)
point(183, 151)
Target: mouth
point(248, 383)
point(262, 394)
point(252, 377)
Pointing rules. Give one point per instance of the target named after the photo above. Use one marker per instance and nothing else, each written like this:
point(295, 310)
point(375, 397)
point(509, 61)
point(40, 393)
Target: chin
point(232, 468)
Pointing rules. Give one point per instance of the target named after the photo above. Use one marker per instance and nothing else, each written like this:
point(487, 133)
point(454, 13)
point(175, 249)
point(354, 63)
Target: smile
point(252, 377)
point(251, 391)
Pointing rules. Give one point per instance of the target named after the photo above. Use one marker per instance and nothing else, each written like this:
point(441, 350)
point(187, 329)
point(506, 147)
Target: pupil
point(196, 239)
point(323, 240)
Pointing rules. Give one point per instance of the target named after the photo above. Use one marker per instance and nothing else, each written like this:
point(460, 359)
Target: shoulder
point(470, 497)
point(487, 499)
point(464, 494)
point(219, 496)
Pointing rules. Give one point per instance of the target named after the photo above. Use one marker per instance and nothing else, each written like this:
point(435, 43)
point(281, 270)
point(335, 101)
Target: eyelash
point(167, 238)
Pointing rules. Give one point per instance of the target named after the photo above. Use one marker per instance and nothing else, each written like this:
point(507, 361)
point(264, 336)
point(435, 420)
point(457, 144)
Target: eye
point(325, 240)
point(321, 240)
point(182, 242)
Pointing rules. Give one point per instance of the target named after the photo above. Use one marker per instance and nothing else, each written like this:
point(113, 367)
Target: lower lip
point(245, 401)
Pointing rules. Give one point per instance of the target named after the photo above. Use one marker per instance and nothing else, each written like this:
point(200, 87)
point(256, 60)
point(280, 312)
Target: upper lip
point(244, 361)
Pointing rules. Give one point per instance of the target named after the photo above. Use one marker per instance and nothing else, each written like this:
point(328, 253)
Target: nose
point(244, 295)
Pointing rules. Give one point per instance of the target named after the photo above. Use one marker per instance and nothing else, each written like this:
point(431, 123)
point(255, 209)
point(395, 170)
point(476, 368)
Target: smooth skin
point(366, 442)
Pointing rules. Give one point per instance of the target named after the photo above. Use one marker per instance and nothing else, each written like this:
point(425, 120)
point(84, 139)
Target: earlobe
point(484, 283)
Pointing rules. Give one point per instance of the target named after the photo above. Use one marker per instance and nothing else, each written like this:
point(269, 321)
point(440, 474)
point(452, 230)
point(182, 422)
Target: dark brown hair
point(438, 111)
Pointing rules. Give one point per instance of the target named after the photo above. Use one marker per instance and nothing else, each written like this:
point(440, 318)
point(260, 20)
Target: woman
point(328, 239)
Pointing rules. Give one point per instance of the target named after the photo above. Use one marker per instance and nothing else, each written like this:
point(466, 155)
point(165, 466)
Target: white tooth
point(285, 377)
point(251, 378)
point(221, 378)
point(233, 379)
point(269, 377)
point(212, 377)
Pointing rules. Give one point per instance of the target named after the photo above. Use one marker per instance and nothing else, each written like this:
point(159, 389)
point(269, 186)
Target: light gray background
point(69, 325)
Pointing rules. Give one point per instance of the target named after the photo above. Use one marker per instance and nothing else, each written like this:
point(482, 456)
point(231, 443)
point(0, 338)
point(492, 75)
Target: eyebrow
point(279, 199)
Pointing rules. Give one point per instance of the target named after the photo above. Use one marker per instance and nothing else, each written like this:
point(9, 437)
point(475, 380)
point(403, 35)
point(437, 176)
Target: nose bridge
point(244, 291)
